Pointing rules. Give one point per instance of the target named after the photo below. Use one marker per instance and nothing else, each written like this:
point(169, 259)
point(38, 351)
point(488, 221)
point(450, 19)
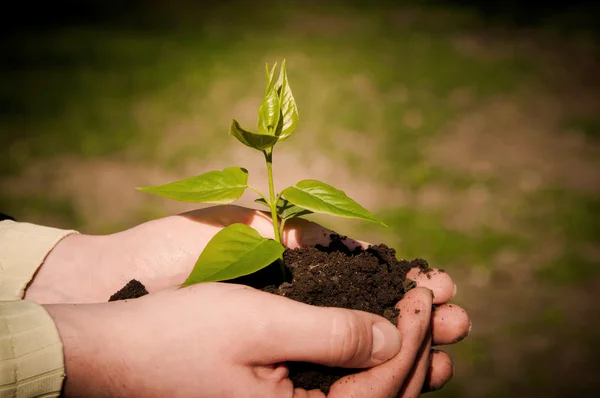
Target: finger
point(299, 232)
point(388, 378)
point(275, 372)
point(222, 216)
point(450, 324)
point(250, 383)
point(301, 393)
point(416, 380)
point(439, 282)
point(285, 330)
point(273, 382)
point(440, 371)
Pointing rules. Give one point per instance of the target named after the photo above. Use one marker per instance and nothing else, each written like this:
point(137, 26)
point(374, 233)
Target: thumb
point(324, 335)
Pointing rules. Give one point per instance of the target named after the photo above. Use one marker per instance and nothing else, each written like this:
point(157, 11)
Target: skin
point(238, 339)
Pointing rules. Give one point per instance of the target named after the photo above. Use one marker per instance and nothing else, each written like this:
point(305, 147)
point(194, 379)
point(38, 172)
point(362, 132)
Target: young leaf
point(269, 113)
point(220, 187)
point(253, 140)
point(319, 197)
point(270, 82)
point(289, 110)
point(285, 209)
point(236, 250)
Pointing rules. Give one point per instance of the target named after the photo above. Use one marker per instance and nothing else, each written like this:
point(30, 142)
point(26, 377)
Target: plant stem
point(281, 228)
point(260, 193)
point(273, 204)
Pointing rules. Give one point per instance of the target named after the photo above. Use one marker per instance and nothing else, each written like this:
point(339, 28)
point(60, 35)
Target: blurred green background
point(471, 129)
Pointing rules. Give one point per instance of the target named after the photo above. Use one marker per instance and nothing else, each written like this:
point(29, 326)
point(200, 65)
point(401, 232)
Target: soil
point(133, 289)
point(371, 280)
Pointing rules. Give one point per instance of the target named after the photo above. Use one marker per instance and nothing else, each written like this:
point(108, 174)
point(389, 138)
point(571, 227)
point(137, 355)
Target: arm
point(31, 361)
point(31, 354)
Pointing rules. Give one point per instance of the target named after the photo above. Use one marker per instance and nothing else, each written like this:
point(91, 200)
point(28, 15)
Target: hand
point(160, 254)
point(225, 340)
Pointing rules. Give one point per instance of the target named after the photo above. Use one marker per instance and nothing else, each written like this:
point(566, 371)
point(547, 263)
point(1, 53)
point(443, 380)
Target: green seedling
point(239, 250)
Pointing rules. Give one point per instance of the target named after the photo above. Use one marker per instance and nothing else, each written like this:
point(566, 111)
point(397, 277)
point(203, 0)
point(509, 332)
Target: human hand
point(160, 254)
point(225, 340)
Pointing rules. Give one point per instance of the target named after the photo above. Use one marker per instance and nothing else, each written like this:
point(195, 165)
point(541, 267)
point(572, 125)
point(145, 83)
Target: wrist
point(87, 349)
point(77, 270)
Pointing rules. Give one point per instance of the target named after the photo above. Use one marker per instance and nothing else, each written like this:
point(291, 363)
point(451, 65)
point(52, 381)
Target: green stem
point(281, 227)
point(260, 193)
point(278, 197)
point(273, 204)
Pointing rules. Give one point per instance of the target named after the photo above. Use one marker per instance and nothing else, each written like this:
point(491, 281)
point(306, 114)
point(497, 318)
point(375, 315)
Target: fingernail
point(464, 336)
point(386, 341)
point(431, 388)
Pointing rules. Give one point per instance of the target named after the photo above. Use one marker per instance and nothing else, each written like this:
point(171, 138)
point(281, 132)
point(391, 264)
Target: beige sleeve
point(31, 355)
point(23, 248)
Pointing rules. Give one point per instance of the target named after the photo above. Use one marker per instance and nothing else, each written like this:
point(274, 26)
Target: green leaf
point(319, 197)
point(220, 187)
point(236, 250)
point(270, 75)
point(289, 110)
point(253, 140)
point(269, 113)
point(285, 209)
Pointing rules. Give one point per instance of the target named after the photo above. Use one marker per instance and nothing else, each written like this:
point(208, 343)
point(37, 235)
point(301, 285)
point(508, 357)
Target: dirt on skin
point(371, 280)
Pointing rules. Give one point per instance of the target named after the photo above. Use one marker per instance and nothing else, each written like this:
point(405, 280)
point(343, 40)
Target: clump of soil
point(371, 280)
point(133, 289)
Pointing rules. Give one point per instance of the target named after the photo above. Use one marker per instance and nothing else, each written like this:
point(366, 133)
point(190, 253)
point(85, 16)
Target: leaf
point(285, 209)
point(269, 113)
point(236, 250)
point(253, 140)
point(270, 82)
point(289, 110)
point(262, 202)
point(220, 187)
point(319, 197)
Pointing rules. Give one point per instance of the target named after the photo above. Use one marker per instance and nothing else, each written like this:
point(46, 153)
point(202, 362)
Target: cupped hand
point(226, 340)
point(159, 253)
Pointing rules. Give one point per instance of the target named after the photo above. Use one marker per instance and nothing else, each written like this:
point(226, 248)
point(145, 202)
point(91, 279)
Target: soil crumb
point(133, 289)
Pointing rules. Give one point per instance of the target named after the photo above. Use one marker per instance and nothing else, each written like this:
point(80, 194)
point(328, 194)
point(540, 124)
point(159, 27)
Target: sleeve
point(23, 248)
point(5, 217)
point(31, 354)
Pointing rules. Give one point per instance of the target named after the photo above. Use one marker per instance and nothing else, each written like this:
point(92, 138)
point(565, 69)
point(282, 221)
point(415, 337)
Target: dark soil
point(371, 280)
point(133, 289)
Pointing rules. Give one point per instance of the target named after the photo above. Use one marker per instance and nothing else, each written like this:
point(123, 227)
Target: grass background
point(471, 129)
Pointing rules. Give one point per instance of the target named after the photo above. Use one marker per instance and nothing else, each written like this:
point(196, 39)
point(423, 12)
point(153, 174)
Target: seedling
point(239, 250)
